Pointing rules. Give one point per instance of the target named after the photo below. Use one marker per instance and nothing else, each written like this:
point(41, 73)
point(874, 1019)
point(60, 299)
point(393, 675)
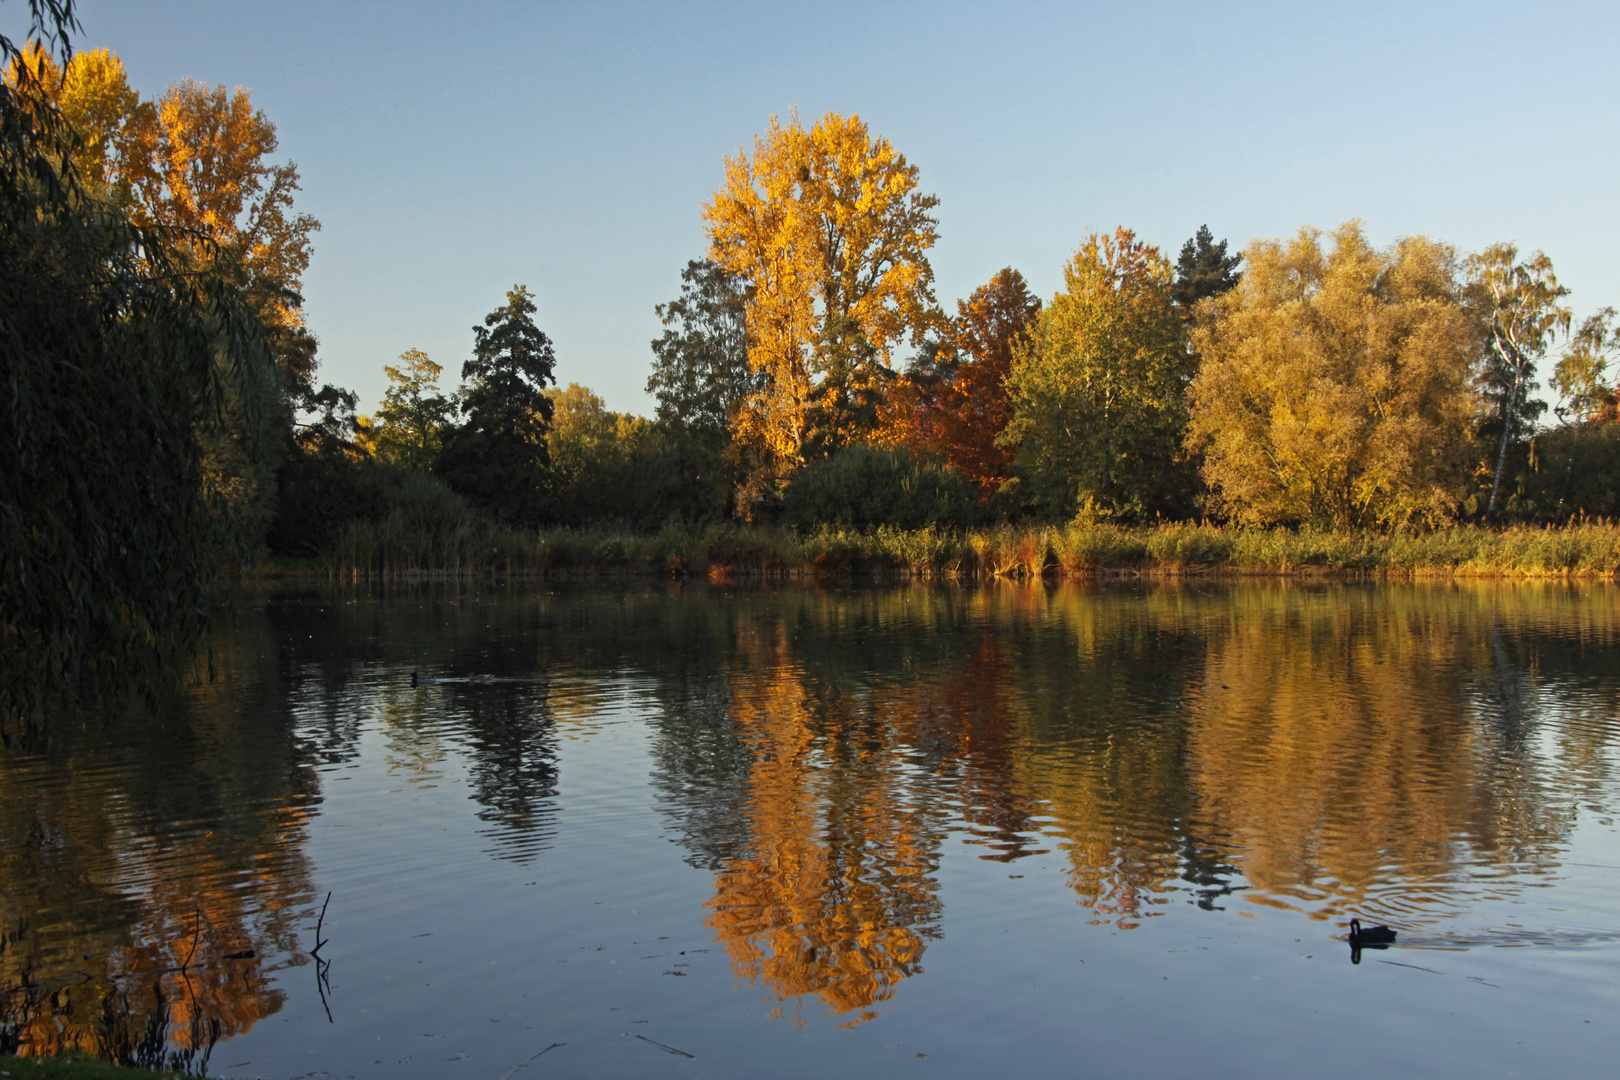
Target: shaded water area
point(796, 832)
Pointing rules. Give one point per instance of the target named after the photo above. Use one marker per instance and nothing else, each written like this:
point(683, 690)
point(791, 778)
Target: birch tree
point(1517, 302)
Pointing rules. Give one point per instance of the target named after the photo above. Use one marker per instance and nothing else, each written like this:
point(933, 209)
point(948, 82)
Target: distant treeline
point(1314, 382)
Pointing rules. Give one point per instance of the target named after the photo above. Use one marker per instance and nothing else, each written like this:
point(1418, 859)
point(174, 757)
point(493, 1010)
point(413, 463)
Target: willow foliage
point(118, 360)
point(1335, 384)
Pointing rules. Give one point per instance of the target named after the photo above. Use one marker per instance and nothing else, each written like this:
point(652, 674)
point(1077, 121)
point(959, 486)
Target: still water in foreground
point(922, 831)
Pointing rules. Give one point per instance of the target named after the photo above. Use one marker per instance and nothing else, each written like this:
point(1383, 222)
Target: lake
point(689, 830)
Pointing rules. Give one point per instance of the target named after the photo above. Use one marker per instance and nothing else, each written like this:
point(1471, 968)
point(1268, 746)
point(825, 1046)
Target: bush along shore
point(382, 550)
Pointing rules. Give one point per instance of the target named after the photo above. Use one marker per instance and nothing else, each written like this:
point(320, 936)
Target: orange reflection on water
point(835, 896)
point(122, 959)
point(1346, 762)
point(130, 873)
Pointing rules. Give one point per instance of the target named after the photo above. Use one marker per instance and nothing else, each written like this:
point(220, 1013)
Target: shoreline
point(722, 553)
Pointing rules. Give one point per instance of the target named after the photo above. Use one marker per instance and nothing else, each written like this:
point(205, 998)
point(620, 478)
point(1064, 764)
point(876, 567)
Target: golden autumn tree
point(829, 230)
point(962, 405)
point(210, 174)
point(196, 162)
point(196, 167)
point(1335, 383)
point(113, 127)
point(209, 182)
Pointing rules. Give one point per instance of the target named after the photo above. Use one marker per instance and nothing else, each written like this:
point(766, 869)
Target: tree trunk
point(1509, 408)
point(1501, 462)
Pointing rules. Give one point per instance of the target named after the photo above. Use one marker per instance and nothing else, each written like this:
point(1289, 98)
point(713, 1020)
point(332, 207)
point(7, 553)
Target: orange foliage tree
point(962, 400)
point(195, 162)
point(830, 231)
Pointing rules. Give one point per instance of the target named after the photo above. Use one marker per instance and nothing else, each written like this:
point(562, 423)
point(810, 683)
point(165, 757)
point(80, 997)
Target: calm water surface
point(797, 832)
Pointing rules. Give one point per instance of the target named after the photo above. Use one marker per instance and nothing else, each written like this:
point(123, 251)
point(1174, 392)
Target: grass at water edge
point(73, 1067)
point(1076, 550)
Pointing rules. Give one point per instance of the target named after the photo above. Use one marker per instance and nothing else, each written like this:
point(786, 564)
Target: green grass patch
point(72, 1067)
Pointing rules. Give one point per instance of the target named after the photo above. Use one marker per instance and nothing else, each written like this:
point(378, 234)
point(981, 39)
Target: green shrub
point(1575, 469)
point(864, 487)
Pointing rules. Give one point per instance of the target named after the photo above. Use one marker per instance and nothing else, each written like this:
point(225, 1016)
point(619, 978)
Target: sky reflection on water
point(799, 831)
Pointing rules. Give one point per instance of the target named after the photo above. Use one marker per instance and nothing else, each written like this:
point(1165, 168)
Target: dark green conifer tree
point(498, 457)
point(1204, 269)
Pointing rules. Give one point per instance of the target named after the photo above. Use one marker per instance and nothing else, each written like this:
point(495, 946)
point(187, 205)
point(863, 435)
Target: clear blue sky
point(451, 150)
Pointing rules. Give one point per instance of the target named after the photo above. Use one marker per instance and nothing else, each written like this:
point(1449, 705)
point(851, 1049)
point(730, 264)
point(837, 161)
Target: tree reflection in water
point(835, 892)
point(136, 859)
point(1333, 750)
point(1393, 752)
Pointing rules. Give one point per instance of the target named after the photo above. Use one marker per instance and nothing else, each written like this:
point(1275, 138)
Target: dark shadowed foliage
point(118, 358)
point(700, 364)
point(1203, 269)
point(1574, 472)
point(863, 486)
point(497, 459)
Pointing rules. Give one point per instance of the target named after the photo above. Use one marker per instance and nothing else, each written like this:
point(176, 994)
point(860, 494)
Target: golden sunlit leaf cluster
point(1335, 383)
point(830, 231)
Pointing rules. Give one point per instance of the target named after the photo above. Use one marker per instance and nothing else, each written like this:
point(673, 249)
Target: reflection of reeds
point(141, 1037)
point(396, 547)
point(126, 1026)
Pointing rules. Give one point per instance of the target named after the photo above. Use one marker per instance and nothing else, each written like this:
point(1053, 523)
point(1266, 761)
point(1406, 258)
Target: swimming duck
point(1370, 935)
point(423, 680)
point(480, 678)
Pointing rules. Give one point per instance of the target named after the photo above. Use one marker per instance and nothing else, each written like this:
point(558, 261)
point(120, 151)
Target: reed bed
point(397, 548)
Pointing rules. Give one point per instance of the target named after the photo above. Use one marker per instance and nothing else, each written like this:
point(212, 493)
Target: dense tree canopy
point(866, 486)
point(158, 372)
point(197, 163)
point(196, 166)
point(410, 422)
point(1099, 391)
point(963, 407)
point(122, 361)
point(1335, 383)
point(700, 373)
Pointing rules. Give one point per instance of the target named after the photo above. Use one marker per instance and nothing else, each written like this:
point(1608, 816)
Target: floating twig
point(663, 1046)
point(316, 951)
point(531, 1057)
point(323, 984)
point(323, 966)
point(1414, 967)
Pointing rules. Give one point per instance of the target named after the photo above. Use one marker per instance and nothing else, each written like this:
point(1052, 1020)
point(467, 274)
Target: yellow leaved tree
point(1336, 383)
point(195, 165)
point(195, 162)
point(829, 230)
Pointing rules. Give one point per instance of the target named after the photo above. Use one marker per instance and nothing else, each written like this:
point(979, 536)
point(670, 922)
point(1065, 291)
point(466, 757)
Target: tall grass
point(461, 544)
